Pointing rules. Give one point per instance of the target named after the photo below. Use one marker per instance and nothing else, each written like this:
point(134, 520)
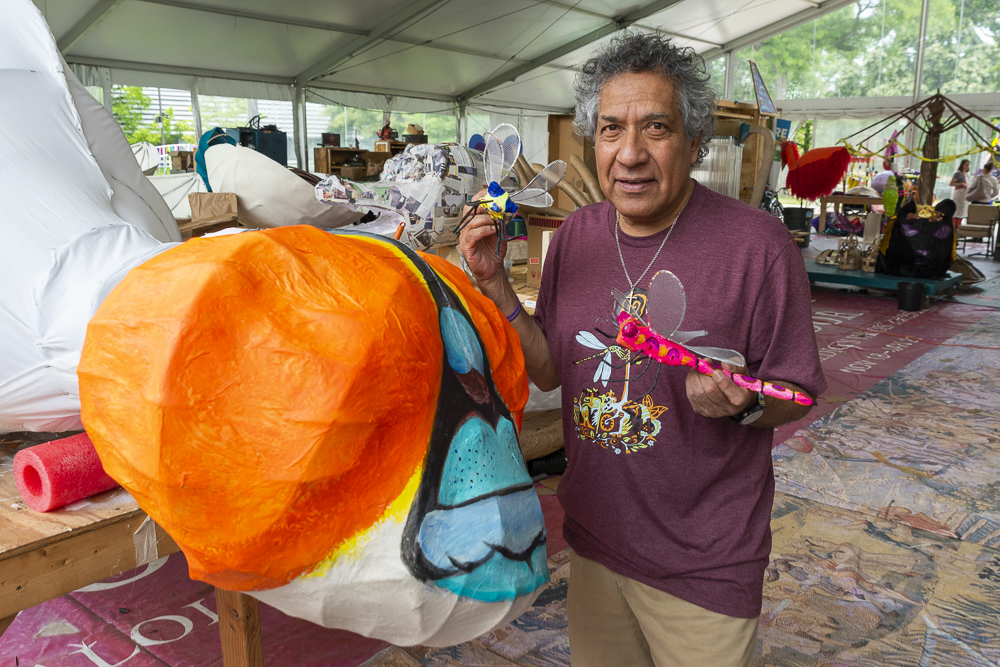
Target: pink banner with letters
point(860, 342)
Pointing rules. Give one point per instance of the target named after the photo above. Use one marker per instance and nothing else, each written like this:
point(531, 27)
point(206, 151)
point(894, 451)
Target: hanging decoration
point(932, 117)
point(816, 173)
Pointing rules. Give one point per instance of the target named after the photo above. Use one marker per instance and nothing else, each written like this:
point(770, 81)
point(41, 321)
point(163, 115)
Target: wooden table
point(838, 201)
point(46, 555)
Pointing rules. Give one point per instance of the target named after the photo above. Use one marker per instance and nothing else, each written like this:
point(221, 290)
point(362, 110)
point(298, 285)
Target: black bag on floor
point(919, 247)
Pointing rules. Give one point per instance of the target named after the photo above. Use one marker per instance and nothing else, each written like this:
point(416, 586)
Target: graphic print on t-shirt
point(617, 418)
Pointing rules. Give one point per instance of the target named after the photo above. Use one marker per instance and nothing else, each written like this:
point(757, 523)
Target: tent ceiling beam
point(239, 12)
point(487, 105)
point(394, 23)
point(177, 69)
point(607, 17)
point(918, 74)
point(375, 90)
point(89, 21)
point(317, 25)
point(395, 92)
point(196, 72)
point(610, 27)
point(784, 24)
point(574, 8)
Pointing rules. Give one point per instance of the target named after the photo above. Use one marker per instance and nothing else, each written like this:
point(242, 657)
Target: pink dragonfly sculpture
point(661, 341)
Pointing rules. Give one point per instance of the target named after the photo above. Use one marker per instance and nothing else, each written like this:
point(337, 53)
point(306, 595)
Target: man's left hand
point(717, 395)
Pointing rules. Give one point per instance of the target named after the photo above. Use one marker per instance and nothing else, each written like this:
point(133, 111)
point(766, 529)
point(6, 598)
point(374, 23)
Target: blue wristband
point(517, 311)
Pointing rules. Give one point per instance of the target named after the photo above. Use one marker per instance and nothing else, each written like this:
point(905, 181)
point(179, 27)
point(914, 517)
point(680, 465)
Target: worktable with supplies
point(46, 555)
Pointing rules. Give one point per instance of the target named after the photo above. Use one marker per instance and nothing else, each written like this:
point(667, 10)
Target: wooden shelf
point(331, 159)
point(731, 115)
point(391, 147)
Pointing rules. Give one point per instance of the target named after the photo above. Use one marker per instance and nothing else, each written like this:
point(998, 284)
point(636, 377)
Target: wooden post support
point(239, 629)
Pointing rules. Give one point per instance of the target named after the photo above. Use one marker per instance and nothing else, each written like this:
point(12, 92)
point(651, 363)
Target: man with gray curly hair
point(669, 487)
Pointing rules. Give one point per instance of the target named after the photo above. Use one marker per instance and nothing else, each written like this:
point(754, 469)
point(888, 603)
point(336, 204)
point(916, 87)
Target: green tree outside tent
point(128, 104)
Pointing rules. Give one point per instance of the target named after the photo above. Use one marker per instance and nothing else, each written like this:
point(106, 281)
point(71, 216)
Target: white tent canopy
point(416, 55)
point(518, 53)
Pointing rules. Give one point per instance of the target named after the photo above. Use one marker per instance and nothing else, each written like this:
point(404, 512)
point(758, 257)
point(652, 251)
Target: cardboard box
point(539, 232)
point(563, 142)
point(350, 173)
point(181, 160)
point(375, 162)
point(210, 212)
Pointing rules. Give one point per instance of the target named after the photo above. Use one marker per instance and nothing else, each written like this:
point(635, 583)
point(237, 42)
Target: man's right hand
point(478, 243)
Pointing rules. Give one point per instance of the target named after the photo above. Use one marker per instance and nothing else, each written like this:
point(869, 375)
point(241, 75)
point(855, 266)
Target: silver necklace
point(618, 222)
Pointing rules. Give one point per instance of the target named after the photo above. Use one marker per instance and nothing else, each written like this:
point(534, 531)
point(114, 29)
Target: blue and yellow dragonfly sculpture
point(503, 145)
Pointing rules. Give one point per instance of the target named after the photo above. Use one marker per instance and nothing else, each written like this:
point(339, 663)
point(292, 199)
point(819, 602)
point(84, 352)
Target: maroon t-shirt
point(653, 490)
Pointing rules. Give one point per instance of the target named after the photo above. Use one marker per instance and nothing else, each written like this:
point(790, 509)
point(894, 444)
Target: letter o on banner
point(141, 640)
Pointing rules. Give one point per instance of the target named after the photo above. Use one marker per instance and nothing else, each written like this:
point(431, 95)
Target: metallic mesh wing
point(624, 304)
point(536, 192)
point(533, 197)
point(683, 337)
point(510, 140)
point(493, 159)
point(667, 303)
point(720, 354)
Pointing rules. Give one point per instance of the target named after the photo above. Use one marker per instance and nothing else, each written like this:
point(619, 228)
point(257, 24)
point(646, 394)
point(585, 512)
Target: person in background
point(669, 484)
point(960, 183)
point(878, 183)
point(983, 187)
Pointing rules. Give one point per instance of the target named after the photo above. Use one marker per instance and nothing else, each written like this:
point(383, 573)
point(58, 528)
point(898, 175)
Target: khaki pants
point(616, 621)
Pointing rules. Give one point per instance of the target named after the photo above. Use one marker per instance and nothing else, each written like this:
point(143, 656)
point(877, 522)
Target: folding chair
point(980, 225)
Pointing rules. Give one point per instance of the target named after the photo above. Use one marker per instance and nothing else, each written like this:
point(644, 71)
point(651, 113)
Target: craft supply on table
point(60, 472)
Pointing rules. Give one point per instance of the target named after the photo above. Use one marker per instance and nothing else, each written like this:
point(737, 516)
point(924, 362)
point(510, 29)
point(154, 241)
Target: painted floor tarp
point(882, 538)
point(921, 446)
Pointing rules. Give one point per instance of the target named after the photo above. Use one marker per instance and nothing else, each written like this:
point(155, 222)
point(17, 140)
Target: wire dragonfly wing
point(503, 145)
point(665, 311)
point(624, 304)
point(536, 192)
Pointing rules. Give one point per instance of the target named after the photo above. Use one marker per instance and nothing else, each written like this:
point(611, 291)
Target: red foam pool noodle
point(60, 472)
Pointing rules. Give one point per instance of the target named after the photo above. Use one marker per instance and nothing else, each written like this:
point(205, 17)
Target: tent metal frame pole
point(730, 76)
point(299, 127)
point(396, 22)
point(90, 20)
point(196, 111)
point(462, 123)
point(105, 75)
point(918, 75)
point(239, 12)
point(778, 27)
